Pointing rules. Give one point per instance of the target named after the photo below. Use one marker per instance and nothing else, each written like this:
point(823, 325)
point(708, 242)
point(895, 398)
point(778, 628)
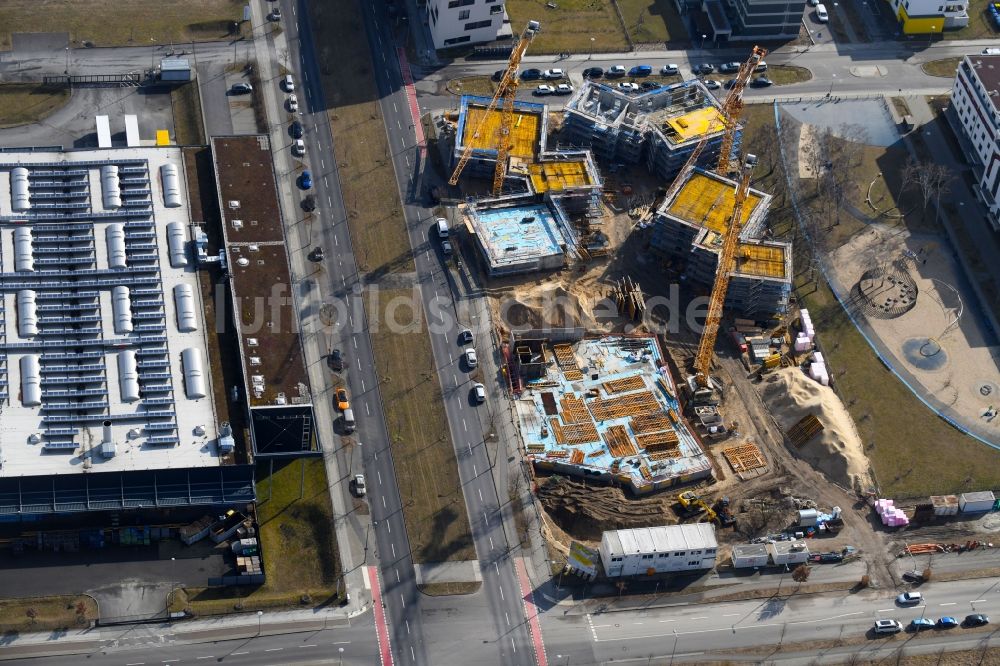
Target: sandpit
point(837, 452)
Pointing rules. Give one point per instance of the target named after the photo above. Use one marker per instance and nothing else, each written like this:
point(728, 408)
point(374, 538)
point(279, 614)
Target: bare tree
point(934, 180)
point(801, 573)
point(32, 615)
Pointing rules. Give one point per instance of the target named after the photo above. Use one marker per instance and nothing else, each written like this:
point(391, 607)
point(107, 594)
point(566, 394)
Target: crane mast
point(506, 91)
point(727, 258)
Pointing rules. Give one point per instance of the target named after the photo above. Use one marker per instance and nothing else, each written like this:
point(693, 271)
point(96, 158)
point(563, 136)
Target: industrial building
point(646, 551)
point(660, 127)
point(106, 390)
point(973, 113)
point(604, 409)
point(689, 229)
point(463, 22)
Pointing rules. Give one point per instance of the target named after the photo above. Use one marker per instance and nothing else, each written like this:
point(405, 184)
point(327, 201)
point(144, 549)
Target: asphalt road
point(689, 631)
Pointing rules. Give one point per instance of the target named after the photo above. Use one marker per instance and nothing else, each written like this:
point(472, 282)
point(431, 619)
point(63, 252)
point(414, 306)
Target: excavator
point(691, 504)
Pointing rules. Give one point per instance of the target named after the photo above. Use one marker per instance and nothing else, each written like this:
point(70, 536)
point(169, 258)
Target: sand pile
point(542, 307)
point(837, 451)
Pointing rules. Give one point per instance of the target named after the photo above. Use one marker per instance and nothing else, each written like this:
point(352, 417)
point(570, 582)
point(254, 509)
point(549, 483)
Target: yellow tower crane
point(727, 259)
point(506, 90)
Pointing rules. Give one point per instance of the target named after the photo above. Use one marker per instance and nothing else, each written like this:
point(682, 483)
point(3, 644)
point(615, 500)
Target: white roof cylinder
point(31, 381)
point(194, 373)
point(121, 305)
point(177, 243)
point(23, 253)
point(110, 188)
point(128, 376)
point(27, 316)
point(20, 198)
point(114, 234)
point(171, 185)
point(184, 300)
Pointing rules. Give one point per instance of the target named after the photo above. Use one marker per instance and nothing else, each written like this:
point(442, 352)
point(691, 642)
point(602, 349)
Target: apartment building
point(975, 114)
point(458, 22)
point(924, 17)
point(761, 19)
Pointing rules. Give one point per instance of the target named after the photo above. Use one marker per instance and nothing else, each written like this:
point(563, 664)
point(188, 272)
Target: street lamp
point(260, 614)
point(591, 56)
point(341, 651)
point(703, 38)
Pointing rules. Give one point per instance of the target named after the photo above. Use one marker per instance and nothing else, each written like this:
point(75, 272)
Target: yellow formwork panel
point(524, 131)
point(709, 202)
point(762, 260)
point(162, 137)
point(557, 176)
point(696, 123)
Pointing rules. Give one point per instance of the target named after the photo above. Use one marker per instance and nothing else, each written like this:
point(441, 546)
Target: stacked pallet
point(804, 430)
point(628, 298)
point(619, 443)
point(567, 362)
point(574, 433)
point(574, 410)
point(647, 423)
point(745, 458)
point(660, 445)
point(624, 384)
point(633, 404)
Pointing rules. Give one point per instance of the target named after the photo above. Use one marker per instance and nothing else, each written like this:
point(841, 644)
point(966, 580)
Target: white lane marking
point(412, 654)
point(475, 472)
point(383, 502)
point(394, 109)
point(700, 617)
point(407, 625)
point(465, 426)
point(402, 141)
point(407, 158)
point(948, 604)
point(326, 182)
point(455, 379)
point(480, 491)
point(512, 644)
point(388, 528)
point(486, 519)
point(978, 601)
point(305, 646)
point(137, 663)
point(399, 124)
point(367, 411)
point(271, 650)
point(329, 201)
point(502, 598)
point(506, 615)
point(359, 363)
point(394, 555)
point(378, 474)
point(355, 338)
point(885, 610)
point(335, 241)
point(495, 564)
point(397, 576)
point(491, 548)
point(402, 600)
point(293, 14)
point(171, 661)
point(726, 615)
point(363, 386)
point(342, 278)
point(322, 164)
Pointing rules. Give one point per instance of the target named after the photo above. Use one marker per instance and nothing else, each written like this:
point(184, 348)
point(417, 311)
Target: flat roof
point(987, 68)
point(626, 423)
point(782, 547)
point(662, 539)
point(749, 549)
point(706, 120)
point(707, 200)
point(525, 131)
point(516, 234)
point(79, 339)
point(270, 345)
point(763, 260)
point(558, 176)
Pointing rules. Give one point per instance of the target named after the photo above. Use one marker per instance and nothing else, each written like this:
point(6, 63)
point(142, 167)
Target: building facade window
point(460, 3)
point(457, 40)
point(475, 25)
point(463, 15)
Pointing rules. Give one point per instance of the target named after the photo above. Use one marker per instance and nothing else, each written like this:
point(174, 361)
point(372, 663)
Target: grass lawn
point(980, 23)
point(436, 519)
point(653, 21)
point(472, 85)
point(22, 103)
point(50, 613)
point(576, 26)
point(782, 75)
point(298, 542)
point(186, 107)
point(913, 452)
point(138, 22)
point(945, 67)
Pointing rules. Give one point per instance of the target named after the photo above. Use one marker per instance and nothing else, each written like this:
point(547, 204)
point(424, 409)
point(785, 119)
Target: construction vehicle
point(725, 516)
point(506, 90)
point(692, 505)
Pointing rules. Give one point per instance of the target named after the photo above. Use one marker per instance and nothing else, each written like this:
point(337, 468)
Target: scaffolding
point(524, 135)
point(708, 202)
point(558, 176)
point(761, 260)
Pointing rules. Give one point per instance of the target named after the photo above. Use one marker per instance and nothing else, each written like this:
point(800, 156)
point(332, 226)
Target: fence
point(884, 355)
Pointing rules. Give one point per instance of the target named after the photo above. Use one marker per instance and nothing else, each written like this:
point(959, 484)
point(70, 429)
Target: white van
point(349, 424)
point(821, 14)
point(442, 227)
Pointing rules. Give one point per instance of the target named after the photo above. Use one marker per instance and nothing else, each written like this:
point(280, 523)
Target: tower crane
point(727, 259)
point(506, 90)
point(732, 108)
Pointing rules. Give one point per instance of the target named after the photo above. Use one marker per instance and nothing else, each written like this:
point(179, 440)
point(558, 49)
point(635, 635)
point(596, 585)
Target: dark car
point(976, 620)
point(729, 67)
point(295, 129)
point(335, 360)
point(649, 85)
point(241, 89)
point(531, 74)
point(729, 84)
point(593, 72)
point(497, 75)
point(640, 70)
point(704, 68)
point(309, 204)
point(761, 82)
point(317, 254)
point(306, 181)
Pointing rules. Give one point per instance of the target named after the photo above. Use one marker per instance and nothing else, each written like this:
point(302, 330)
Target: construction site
point(603, 221)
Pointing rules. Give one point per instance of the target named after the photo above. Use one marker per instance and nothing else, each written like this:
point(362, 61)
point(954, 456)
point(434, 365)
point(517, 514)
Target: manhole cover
point(987, 389)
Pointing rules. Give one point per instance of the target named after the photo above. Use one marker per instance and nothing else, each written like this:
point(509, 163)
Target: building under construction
point(661, 127)
point(528, 133)
point(605, 409)
point(690, 226)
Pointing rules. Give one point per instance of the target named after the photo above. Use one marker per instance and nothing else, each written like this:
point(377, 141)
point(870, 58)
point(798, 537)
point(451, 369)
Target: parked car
point(497, 75)
point(760, 67)
point(335, 360)
point(275, 15)
point(305, 181)
point(298, 148)
point(553, 74)
point(888, 627)
point(479, 392)
point(341, 399)
point(991, 51)
point(762, 82)
point(564, 89)
point(628, 86)
point(593, 72)
point(976, 620)
point(617, 70)
point(729, 83)
point(947, 622)
point(921, 623)
point(712, 84)
point(640, 70)
point(446, 248)
point(531, 74)
point(295, 129)
point(668, 70)
point(465, 336)
point(544, 89)
point(913, 576)
point(289, 83)
point(359, 485)
point(704, 68)
point(293, 103)
point(470, 357)
point(909, 598)
point(649, 85)
point(308, 203)
point(729, 67)
point(317, 254)
point(822, 16)
point(241, 89)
